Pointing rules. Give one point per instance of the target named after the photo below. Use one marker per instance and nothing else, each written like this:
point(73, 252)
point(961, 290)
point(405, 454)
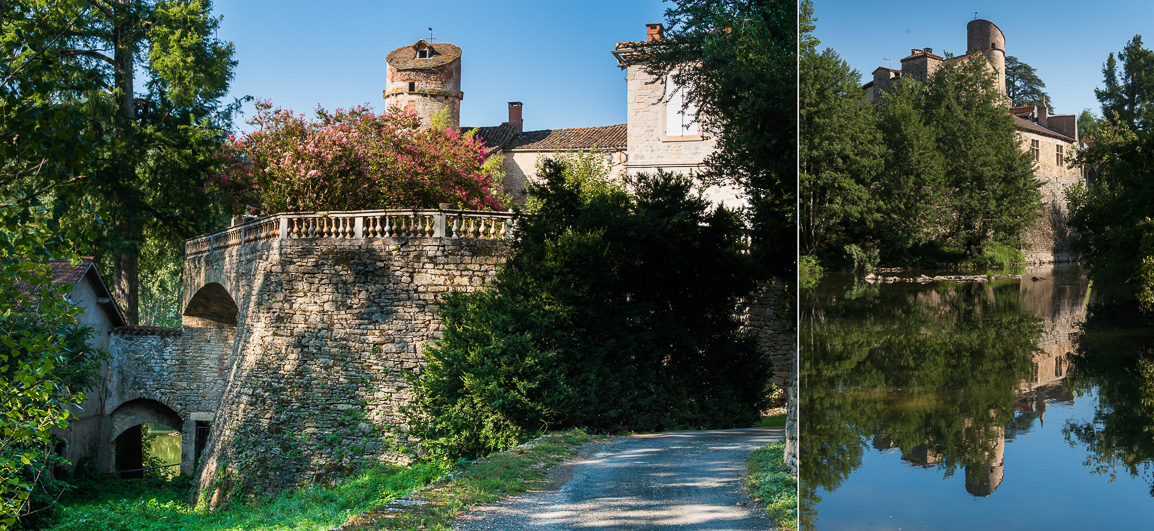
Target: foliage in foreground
point(108, 505)
point(772, 485)
point(354, 160)
point(613, 313)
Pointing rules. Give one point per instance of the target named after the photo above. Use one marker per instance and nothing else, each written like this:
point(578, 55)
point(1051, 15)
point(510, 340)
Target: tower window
point(412, 86)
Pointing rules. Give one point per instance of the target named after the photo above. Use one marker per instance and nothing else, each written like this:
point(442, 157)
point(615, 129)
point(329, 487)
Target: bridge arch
point(128, 421)
point(213, 302)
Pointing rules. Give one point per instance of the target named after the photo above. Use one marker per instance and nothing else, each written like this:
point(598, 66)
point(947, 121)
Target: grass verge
point(145, 505)
point(772, 485)
point(482, 481)
point(772, 421)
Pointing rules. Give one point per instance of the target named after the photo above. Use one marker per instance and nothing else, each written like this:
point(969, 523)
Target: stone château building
point(1051, 140)
point(660, 132)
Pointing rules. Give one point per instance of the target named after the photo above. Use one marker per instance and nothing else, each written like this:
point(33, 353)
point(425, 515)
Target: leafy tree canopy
point(743, 83)
point(142, 80)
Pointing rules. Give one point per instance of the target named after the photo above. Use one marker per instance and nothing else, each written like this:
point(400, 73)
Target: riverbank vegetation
point(1111, 213)
point(932, 174)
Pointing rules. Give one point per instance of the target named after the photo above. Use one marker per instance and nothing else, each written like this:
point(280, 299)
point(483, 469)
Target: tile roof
point(496, 135)
point(66, 273)
point(1025, 125)
point(603, 137)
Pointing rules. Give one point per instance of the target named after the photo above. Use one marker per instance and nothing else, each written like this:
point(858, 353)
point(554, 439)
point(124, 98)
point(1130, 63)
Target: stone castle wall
point(1048, 240)
point(761, 315)
point(326, 333)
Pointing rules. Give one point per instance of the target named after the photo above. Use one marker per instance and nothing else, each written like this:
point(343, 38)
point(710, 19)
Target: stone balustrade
point(396, 223)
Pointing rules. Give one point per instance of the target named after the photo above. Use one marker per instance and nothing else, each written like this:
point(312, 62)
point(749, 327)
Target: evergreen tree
point(1127, 95)
point(150, 148)
point(1023, 86)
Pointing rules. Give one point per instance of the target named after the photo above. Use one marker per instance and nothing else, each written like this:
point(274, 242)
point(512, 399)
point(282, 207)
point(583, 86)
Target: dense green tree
point(1111, 216)
point(150, 148)
point(599, 319)
point(911, 195)
point(743, 85)
point(993, 194)
point(1127, 95)
point(1023, 86)
point(1088, 124)
point(840, 153)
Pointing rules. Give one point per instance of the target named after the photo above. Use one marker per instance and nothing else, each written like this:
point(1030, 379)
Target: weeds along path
point(685, 478)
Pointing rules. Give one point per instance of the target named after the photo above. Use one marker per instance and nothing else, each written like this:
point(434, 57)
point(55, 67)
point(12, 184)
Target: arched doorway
point(136, 425)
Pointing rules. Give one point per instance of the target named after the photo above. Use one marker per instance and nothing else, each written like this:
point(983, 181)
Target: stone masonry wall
point(1049, 239)
point(326, 333)
point(776, 334)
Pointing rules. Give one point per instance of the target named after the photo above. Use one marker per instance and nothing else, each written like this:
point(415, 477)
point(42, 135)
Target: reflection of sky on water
point(1045, 486)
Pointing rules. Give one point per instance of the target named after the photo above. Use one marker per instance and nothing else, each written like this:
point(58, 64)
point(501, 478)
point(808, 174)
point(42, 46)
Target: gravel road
point(686, 480)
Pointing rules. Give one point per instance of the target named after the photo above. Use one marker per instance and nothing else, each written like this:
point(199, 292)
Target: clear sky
point(554, 56)
point(1066, 41)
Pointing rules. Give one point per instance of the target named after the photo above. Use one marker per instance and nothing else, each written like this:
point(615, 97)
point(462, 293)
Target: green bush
point(809, 270)
point(614, 312)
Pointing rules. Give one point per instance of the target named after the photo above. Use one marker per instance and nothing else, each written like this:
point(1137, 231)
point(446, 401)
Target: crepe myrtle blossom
point(353, 159)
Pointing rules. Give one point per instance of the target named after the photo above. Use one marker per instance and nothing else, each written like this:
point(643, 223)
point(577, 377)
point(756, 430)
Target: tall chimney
point(654, 32)
point(515, 114)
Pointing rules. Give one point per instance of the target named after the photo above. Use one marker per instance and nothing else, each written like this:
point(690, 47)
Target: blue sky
point(552, 56)
point(1066, 41)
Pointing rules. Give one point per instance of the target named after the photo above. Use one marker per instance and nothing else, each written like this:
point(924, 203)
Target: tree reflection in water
point(932, 371)
point(1115, 354)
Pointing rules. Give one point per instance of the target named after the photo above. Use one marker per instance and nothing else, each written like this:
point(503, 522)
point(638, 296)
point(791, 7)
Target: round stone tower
point(425, 78)
point(984, 36)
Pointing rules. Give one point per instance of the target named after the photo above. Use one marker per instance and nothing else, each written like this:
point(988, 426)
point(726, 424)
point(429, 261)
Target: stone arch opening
point(212, 302)
point(132, 423)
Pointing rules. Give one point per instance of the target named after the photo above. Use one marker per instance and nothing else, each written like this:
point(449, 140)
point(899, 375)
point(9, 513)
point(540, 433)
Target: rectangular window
point(1061, 154)
point(1034, 147)
point(680, 118)
point(412, 86)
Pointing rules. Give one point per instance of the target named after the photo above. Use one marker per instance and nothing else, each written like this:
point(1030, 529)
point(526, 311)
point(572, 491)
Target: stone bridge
point(296, 331)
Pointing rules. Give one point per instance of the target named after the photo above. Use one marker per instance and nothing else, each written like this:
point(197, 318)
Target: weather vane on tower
point(430, 34)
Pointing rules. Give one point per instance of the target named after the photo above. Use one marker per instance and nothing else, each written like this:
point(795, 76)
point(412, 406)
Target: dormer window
point(423, 53)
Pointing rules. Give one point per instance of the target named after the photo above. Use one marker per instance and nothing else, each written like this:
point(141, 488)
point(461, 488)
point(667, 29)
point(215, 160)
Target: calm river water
point(1002, 405)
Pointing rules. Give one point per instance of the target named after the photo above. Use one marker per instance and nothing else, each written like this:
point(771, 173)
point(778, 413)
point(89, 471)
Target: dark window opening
point(412, 86)
point(423, 53)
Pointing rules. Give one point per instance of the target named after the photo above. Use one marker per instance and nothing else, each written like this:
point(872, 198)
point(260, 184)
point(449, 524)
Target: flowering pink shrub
point(353, 160)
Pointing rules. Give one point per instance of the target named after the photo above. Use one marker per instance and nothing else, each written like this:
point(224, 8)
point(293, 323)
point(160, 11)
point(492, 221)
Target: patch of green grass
point(772, 485)
point(481, 481)
point(111, 505)
point(772, 421)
